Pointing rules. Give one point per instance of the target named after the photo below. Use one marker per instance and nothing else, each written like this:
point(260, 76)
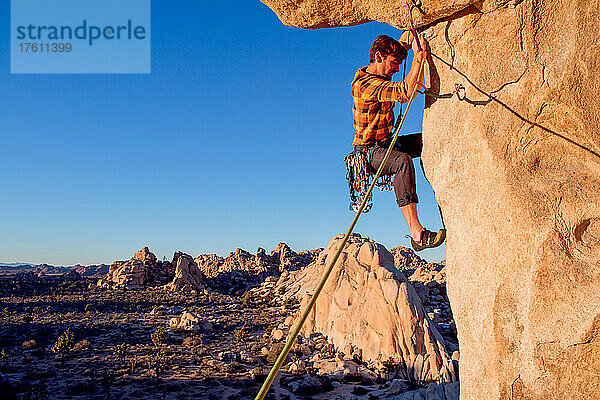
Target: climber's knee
point(402, 162)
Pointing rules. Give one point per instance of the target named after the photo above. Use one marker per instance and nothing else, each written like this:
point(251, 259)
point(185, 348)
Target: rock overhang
point(317, 14)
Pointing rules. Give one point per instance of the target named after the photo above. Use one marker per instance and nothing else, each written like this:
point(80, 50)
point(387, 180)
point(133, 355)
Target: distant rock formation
point(141, 270)
point(187, 274)
point(26, 276)
point(236, 272)
point(92, 271)
point(47, 269)
point(71, 275)
point(369, 304)
point(241, 269)
point(280, 259)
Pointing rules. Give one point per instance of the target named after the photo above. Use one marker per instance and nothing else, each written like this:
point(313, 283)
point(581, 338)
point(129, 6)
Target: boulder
point(187, 274)
point(145, 256)
point(367, 303)
point(185, 322)
point(515, 166)
point(277, 335)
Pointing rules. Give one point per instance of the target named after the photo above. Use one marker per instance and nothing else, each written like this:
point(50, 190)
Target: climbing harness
point(359, 175)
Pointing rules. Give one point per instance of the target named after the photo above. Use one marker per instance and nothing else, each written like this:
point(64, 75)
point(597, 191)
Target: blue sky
point(236, 139)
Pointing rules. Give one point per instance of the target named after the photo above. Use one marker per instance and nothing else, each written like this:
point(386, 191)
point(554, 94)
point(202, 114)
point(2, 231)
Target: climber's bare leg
point(409, 212)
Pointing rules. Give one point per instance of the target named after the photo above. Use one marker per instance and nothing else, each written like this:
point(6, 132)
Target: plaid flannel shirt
point(373, 98)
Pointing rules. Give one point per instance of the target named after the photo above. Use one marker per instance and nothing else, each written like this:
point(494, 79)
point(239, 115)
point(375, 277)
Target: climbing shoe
point(428, 239)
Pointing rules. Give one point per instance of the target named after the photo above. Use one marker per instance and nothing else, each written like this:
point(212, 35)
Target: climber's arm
point(377, 89)
point(419, 57)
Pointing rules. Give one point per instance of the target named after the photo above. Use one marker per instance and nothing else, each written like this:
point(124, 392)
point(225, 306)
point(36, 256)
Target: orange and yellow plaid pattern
point(373, 98)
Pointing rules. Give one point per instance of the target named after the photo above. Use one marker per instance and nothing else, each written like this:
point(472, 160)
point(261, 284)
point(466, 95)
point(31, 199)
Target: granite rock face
point(368, 304)
point(515, 166)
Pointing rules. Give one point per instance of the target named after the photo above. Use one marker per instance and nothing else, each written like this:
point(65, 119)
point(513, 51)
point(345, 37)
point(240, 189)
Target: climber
point(373, 97)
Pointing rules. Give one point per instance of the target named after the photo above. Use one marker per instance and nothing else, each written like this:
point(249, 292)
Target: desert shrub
point(158, 337)
point(5, 358)
point(133, 361)
point(157, 364)
point(392, 368)
point(247, 300)
point(64, 344)
point(274, 351)
point(231, 367)
point(107, 380)
point(194, 344)
point(291, 302)
point(36, 390)
point(120, 352)
point(241, 335)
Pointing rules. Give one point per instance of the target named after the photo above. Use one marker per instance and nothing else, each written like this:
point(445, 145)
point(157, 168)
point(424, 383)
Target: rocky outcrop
point(515, 166)
point(241, 269)
point(185, 322)
point(280, 259)
point(187, 274)
point(429, 281)
point(368, 304)
point(72, 275)
point(92, 271)
point(47, 269)
point(142, 270)
point(331, 13)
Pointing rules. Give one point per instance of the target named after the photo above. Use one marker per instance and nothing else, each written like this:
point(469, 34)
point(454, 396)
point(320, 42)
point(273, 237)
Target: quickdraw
point(459, 90)
point(359, 177)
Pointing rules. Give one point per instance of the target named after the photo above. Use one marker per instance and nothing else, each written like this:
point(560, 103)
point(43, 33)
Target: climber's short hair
point(387, 46)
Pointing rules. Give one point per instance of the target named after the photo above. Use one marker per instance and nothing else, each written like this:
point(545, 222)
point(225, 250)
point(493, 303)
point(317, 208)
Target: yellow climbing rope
point(292, 337)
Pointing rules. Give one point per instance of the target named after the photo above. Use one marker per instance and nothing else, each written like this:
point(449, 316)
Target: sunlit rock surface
point(367, 303)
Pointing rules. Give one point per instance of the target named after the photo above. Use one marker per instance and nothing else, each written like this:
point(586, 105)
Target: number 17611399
point(45, 47)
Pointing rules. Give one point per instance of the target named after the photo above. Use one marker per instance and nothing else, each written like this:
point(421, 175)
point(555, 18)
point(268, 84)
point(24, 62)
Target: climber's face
point(386, 66)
